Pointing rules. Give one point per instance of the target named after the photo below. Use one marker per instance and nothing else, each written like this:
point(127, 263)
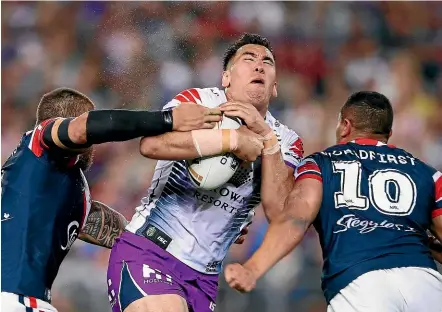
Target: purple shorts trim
point(138, 268)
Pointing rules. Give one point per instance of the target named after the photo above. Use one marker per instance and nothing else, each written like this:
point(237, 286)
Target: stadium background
point(138, 54)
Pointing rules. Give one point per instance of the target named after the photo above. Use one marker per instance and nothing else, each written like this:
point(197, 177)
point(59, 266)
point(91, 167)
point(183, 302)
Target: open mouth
point(258, 81)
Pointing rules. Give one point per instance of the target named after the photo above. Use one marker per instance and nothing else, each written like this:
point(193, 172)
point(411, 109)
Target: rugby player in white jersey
point(171, 254)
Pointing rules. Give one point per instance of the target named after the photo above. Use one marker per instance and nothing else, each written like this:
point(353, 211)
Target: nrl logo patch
point(151, 231)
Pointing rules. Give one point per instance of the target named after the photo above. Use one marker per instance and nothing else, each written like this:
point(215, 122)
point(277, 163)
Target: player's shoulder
point(34, 138)
point(209, 97)
point(280, 129)
point(291, 143)
point(422, 165)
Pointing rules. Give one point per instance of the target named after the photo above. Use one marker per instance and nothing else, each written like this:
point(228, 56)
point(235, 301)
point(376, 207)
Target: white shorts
point(17, 303)
point(410, 289)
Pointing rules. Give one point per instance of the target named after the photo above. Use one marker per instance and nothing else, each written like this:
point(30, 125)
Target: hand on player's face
point(249, 114)
point(250, 144)
point(190, 116)
point(239, 277)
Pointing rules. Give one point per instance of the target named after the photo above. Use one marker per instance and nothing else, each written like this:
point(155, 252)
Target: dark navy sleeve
point(37, 144)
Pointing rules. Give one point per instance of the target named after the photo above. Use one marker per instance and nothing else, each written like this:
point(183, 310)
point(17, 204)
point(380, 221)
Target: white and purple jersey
point(203, 224)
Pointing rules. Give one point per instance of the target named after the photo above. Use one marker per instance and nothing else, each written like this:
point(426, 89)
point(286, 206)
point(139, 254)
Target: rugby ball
point(211, 172)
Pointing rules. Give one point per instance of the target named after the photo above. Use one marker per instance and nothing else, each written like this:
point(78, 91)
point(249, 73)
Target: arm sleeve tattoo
point(103, 225)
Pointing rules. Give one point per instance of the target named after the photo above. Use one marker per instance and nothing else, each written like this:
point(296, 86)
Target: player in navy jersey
point(371, 204)
point(46, 202)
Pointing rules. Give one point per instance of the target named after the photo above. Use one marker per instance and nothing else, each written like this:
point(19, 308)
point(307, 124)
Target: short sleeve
point(291, 148)
point(189, 95)
point(309, 169)
point(37, 144)
point(437, 211)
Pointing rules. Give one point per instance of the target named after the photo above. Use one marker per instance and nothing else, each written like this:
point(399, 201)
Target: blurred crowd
point(140, 54)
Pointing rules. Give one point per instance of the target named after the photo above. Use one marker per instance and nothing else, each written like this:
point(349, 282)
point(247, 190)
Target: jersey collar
point(365, 141)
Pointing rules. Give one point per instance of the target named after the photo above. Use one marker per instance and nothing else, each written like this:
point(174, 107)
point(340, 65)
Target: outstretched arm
point(102, 226)
point(284, 234)
point(101, 126)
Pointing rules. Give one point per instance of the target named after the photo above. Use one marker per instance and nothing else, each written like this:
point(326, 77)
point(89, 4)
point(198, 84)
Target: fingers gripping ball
point(213, 171)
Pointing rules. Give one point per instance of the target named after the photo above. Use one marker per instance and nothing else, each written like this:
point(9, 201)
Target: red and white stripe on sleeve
point(189, 95)
point(36, 145)
point(308, 169)
point(437, 178)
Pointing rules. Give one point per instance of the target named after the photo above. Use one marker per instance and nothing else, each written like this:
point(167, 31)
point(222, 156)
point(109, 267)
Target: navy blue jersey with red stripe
point(45, 200)
point(378, 201)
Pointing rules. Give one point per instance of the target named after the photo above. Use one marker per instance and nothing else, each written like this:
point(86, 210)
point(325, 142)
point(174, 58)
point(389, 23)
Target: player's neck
point(262, 108)
point(263, 112)
point(376, 137)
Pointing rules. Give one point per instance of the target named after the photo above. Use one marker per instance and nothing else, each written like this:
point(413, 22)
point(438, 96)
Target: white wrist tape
point(274, 148)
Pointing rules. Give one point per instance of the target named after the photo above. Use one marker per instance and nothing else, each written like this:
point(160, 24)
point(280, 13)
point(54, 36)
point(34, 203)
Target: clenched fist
point(190, 116)
point(239, 277)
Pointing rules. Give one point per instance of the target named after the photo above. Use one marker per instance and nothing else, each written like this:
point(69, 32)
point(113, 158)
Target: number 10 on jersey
point(390, 191)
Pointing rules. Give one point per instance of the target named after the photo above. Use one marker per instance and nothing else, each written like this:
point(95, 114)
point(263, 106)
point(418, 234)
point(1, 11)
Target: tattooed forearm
point(103, 225)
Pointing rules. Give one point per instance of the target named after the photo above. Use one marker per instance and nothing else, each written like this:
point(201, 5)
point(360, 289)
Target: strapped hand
point(190, 116)
point(249, 114)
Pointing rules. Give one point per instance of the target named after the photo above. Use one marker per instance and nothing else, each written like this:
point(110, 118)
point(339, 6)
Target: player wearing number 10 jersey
point(371, 204)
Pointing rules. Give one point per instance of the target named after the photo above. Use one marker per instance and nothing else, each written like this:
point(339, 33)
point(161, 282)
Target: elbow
point(150, 147)
point(273, 205)
point(272, 210)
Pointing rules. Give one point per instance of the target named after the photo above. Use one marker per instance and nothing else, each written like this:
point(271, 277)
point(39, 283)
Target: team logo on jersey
point(72, 234)
point(297, 148)
point(6, 217)
point(212, 266)
point(151, 231)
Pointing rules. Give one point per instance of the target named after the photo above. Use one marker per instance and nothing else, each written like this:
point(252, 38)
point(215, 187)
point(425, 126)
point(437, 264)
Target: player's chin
point(86, 159)
point(257, 96)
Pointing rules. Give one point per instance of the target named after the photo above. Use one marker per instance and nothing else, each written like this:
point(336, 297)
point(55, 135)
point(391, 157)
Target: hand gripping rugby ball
point(213, 171)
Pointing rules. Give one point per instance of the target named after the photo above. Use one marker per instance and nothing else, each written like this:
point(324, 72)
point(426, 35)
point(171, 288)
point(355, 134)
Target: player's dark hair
point(370, 111)
point(245, 39)
point(63, 102)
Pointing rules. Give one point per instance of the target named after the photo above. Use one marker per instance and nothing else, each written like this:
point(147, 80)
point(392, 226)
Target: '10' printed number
point(391, 192)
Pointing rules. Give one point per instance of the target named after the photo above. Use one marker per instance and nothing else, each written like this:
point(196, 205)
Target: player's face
point(251, 76)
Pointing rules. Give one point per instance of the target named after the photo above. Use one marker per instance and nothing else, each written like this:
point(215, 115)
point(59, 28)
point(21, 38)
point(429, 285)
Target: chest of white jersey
point(203, 224)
